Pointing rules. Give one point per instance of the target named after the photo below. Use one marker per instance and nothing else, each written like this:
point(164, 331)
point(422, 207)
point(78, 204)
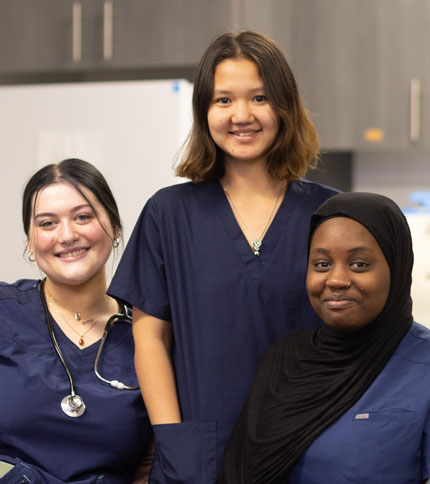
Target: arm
point(153, 340)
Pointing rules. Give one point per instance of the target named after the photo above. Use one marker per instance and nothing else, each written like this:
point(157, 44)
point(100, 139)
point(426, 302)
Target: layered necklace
point(256, 242)
point(77, 315)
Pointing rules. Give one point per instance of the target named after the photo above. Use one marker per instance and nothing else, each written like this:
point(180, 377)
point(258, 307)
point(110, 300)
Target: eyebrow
point(321, 250)
point(228, 91)
point(74, 209)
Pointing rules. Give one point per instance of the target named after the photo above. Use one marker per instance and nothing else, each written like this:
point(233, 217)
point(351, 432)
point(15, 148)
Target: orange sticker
point(374, 135)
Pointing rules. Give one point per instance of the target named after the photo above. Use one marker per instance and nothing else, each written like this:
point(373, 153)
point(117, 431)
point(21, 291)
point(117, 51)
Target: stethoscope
point(73, 405)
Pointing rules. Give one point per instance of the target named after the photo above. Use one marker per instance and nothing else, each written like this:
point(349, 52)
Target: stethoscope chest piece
point(73, 405)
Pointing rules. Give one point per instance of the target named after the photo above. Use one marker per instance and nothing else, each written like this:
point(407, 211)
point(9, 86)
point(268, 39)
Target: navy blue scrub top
point(188, 262)
point(105, 444)
point(384, 437)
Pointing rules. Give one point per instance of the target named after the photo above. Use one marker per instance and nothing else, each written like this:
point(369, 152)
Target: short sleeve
point(140, 279)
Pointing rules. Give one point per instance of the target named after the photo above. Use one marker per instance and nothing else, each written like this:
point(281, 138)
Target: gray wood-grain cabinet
point(363, 68)
point(65, 35)
point(49, 35)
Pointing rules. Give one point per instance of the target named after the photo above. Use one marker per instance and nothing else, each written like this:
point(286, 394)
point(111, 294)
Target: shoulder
point(181, 191)
point(174, 200)
point(415, 346)
point(315, 191)
point(20, 291)
point(17, 304)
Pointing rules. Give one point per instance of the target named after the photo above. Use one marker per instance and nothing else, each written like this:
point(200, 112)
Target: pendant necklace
point(257, 242)
point(76, 314)
point(81, 335)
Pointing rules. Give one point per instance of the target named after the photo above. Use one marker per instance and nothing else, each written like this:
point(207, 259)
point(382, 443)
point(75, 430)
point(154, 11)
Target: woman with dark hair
point(209, 261)
point(346, 402)
point(70, 407)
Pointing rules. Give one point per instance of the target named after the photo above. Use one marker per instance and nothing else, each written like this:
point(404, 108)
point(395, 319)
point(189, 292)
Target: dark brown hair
point(296, 144)
point(80, 174)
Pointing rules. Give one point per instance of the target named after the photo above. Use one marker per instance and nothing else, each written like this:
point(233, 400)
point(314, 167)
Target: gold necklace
point(76, 314)
point(81, 335)
point(258, 241)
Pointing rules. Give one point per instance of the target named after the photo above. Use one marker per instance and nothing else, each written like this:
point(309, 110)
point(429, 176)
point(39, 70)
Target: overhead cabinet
point(64, 35)
point(363, 68)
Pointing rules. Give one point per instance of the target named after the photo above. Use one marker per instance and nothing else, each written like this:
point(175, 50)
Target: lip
point(245, 134)
point(72, 254)
point(339, 302)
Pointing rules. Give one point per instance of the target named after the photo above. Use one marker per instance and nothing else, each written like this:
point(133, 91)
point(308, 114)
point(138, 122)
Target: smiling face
point(241, 120)
point(69, 242)
point(348, 278)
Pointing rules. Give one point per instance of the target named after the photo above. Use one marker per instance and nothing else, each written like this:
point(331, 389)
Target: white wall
point(392, 174)
point(396, 175)
point(130, 130)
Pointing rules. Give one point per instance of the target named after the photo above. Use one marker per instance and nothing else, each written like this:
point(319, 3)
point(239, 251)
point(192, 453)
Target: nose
point(68, 233)
point(242, 112)
point(338, 278)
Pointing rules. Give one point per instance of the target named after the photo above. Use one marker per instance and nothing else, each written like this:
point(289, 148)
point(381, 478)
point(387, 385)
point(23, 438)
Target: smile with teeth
point(245, 133)
point(72, 253)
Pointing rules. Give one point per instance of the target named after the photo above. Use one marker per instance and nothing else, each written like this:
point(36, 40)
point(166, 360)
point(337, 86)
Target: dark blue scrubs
point(188, 262)
point(105, 444)
point(384, 438)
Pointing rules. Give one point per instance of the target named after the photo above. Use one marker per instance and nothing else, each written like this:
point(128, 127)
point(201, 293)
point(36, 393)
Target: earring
point(31, 257)
point(115, 242)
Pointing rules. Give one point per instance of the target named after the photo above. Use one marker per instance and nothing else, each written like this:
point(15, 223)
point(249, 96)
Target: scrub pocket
point(19, 474)
point(185, 453)
point(385, 415)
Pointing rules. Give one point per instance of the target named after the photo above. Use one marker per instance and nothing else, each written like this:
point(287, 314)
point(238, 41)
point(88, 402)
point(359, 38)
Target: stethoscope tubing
point(68, 403)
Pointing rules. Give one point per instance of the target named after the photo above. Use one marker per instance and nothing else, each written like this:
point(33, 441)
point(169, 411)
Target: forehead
point(343, 232)
point(62, 196)
point(237, 69)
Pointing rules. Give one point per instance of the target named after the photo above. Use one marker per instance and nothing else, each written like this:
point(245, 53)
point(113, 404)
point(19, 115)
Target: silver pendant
point(78, 316)
point(256, 244)
point(73, 406)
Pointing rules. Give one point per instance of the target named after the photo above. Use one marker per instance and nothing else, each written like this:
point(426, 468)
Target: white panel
point(420, 230)
point(397, 175)
point(130, 130)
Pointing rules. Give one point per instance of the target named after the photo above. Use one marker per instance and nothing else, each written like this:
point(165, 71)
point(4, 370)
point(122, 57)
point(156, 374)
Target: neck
point(78, 296)
point(250, 178)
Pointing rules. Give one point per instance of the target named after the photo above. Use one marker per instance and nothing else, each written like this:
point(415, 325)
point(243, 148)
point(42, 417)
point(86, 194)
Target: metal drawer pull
point(415, 110)
point(77, 32)
point(108, 30)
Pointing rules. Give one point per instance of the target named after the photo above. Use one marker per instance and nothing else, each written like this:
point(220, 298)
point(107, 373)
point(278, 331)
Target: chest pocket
point(395, 414)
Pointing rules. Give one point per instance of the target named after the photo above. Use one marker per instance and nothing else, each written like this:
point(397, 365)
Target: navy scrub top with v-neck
point(188, 262)
point(105, 444)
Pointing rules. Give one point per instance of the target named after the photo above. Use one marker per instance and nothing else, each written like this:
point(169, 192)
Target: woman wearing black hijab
point(348, 402)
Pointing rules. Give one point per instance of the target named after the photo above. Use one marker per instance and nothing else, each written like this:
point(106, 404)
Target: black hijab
point(308, 380)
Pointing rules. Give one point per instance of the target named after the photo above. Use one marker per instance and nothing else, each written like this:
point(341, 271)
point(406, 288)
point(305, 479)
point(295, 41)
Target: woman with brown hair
point(70, 406)
point(215, 268)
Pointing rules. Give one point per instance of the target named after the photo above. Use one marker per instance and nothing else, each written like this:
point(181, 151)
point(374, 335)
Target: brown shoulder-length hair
point(296, 144)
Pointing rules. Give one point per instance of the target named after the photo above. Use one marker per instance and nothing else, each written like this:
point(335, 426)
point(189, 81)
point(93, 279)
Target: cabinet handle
point(77, 32)
point(415, 110)
point(108, 30)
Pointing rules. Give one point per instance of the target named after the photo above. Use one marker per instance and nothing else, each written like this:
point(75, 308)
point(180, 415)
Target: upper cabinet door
point(49, 35)
point(66, 35)
point(274, 18)
point(363, 68)
point(166, 32)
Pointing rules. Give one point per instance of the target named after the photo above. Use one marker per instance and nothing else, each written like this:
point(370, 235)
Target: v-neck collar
point(255, 264)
